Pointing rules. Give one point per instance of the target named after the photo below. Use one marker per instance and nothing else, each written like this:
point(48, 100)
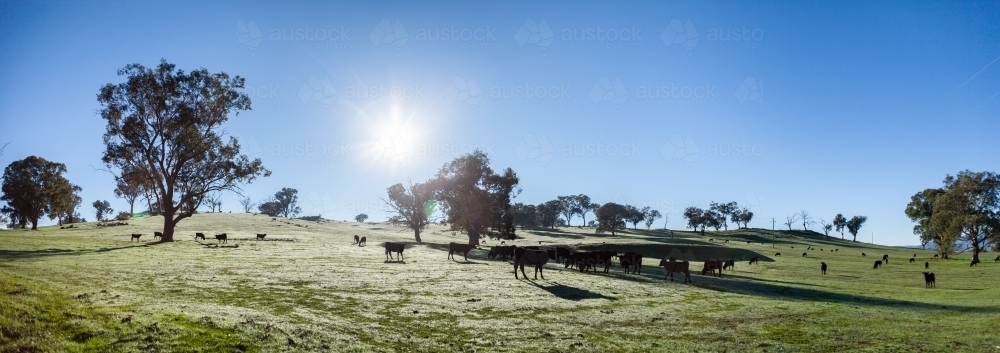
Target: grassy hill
point(308, 288)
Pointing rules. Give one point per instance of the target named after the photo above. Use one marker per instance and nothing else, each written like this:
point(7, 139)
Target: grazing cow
point(576, 259)
point(885, 258)
point(711, 239)
point(503, 251)
point(820, 249)
point(199, 235)
point(552, 254)
point(822, 267)
point(460, 248)
point(357, 239)
point(157, 235)
point(974, 262)
point(536, 258)
point(631, 261)
point(878, 263)
point(927, 265)
point(394, 248)
point(935, 256)
point(912, 260)
point(753, 260)
point(803, 254)
point(135, 237)
point(221, 238)
point(929, 280)
point(260, 236)
point(864, 255)
point(748, 243)
point(713, 266)
point(836, 249)
point(363, 241)
point(730, 264)
point(727, 240)
point(914, 255)
point(673, 266)
point(562, 253)
point(605, 258)
point(777, 254)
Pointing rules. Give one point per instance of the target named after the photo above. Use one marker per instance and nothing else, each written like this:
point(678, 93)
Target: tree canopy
point(34, 187)
point(167, 123)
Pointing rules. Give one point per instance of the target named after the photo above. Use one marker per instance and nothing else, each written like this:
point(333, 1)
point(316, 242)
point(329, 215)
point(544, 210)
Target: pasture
point(307, 287)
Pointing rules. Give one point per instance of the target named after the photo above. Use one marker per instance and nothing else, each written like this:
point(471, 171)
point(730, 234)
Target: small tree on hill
point(695, 219)
point(611, 217)
point(102, 208)
point(569, 206)
point(840, 223)
point(790, 220)
point(634, 215)
point(411, 206)
point(288, 202)
point(247, 204)
point(827, 226)
point(651, 216)
point(585, 206)
point(854, 225)
point(361, 218)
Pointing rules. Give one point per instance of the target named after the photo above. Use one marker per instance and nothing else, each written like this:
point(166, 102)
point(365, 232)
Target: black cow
point(199, 235)
point(878, 263)
point(363, 241)
point(974, 262)
point(631, 261)
point(221, 238)
point(459, 248)
point(822, 267)
point(673, 266)
point(260, 236)
point(927, 265)
point(157, 235)
point(394, 248)
point(135, 237)
point(912, 260)
point(753, 260)
point(929, 280)
point(357, 239)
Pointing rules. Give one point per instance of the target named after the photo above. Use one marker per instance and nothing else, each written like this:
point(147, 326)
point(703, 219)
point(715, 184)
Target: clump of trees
point(716, 216)
point(471, 197)
point(35, 187)
point(361, 218)
point(966, 208)
point(164, 128)
point(284, 203)
point(611, 217)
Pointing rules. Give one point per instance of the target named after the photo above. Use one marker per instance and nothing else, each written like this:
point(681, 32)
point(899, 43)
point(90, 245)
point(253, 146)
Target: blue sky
point(846, 107)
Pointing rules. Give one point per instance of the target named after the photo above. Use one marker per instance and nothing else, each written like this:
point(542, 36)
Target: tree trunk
point(416, 234)
point(34, 224)
point(168, 227)
point(975, 253)
point(584, 219)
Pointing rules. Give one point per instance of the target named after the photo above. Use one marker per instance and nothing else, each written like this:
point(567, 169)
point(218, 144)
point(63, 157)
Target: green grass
point(307, 288)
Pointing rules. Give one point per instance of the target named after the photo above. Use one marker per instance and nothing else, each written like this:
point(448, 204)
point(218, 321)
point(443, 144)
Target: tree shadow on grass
point(763, 288)
point(33, 254)
point(570, 293)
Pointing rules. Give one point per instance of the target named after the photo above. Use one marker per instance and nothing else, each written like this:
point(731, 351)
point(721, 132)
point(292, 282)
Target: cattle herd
point(584, 261)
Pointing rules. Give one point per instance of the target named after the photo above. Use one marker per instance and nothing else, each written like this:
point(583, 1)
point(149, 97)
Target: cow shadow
point(570, 293)
point(394, 262)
